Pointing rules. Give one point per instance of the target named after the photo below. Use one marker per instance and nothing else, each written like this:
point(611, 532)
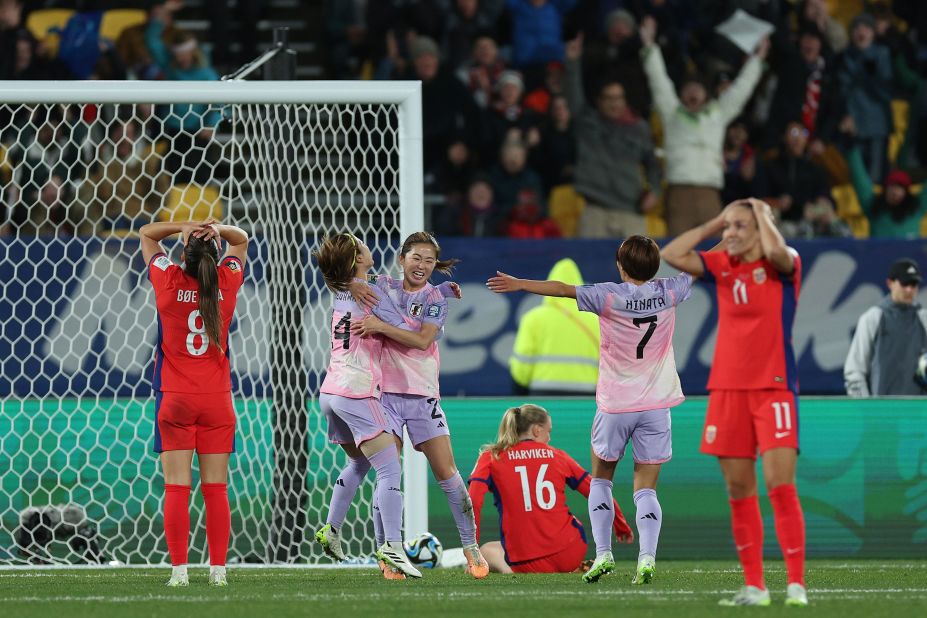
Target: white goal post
point(288, 161)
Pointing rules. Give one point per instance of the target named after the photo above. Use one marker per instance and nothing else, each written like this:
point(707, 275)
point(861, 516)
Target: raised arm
point(664, 94)
point(774, 247)
point(151, 235)
point(502, 283)
point(732, 101)
point(680, 252)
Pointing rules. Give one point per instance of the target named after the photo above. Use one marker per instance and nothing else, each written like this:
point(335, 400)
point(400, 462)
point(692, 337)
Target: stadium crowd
point(542, 118)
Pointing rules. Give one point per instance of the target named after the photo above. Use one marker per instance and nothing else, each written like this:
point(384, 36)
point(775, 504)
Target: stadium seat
point(900, 115)
point(849, 210)
point(116, 20)
point(6, 167)
point(190, 202)
point(565, 206)
point(40, 22)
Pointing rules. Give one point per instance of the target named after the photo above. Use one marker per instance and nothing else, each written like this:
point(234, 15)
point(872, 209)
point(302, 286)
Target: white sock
point(214, 570)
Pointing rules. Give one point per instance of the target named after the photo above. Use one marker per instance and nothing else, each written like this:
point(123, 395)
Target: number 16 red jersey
point(184, 360)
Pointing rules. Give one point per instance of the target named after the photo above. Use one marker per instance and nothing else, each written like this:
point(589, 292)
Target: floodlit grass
point(682, 588)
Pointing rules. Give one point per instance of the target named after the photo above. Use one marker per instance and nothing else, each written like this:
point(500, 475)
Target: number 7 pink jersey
point(637, 369)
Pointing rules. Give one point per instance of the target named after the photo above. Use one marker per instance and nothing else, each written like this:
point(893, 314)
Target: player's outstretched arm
point(502, 283)
point(680, 252)
point(774, 248)
point(151, 234)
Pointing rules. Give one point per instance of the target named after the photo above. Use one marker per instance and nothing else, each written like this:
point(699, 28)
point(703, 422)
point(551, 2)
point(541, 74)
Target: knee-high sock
point(747, 526)
point(177, 522)
point(790, 530)
point(389, 491)
point(649, 520)
point(378, 536)
point(461, 507)
point(218, 521)
point(601, 514)
point(345, 488)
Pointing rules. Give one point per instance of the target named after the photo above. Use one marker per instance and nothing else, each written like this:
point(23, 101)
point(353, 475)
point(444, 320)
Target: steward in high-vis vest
point(557, 347)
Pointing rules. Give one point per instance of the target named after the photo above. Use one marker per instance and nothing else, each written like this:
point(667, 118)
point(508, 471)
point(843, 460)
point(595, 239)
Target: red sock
point(790, 529)
point(177, 521)
point(218, 521)
point(747, 525)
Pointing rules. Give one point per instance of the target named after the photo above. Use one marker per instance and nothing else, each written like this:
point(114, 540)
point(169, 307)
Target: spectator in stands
point(814, 12)
point(46, 149)
point(448, 110)
point(125, 189)
point(11, 15)
point(511, 176)
point(794, 180)
point(820, 220)
point(617, 53)
point(865, 75)
point(29, 64)
point(133, 50)
point(482, 72)
point(190, 127)
point(536, 31)
point(469, 21)
point(507, 118)
point(556, 350)
point(889, 339)
point(743, 172)
point(896, 212)
point(539, 98)
point(452, 175)
point(612, 143)
point(694, 129)
point(528, 219)
point(49, 214)
point(806, 88)
point(475, 215)
point(555, 155)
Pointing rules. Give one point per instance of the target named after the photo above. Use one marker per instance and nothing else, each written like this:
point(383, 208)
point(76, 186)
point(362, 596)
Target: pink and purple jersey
point(406, 370)
point(637, 370)
point(354, 369)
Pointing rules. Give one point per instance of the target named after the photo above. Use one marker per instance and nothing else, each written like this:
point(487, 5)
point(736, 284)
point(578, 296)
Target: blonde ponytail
point(515, 422)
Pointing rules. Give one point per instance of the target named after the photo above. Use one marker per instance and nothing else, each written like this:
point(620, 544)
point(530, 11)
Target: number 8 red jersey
point(184, 360)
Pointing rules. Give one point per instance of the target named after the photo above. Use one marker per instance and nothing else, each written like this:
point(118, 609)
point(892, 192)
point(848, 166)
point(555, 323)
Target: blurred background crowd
point(542, 118)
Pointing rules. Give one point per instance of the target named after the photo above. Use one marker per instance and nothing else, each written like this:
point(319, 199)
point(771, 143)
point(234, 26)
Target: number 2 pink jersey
point(354, 369)
point(406, 370)
point(637, 369)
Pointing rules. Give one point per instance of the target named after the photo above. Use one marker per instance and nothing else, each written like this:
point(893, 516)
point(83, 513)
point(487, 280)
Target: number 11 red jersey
point(184, 360)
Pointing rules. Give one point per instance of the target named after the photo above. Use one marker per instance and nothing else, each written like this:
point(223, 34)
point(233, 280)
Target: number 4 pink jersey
point(637, 370)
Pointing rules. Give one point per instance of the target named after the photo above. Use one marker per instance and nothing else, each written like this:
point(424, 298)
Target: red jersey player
point(753, 385)
point(527, 478)
point(192, 383)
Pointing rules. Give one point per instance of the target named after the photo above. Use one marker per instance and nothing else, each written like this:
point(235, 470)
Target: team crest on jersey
point(162, 262)
point(433, 311)
point(415, 309)
point(711, 432)
point(759, 274)
point(233, 265)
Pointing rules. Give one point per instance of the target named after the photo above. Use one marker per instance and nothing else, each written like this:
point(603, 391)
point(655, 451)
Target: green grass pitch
point(682, 588)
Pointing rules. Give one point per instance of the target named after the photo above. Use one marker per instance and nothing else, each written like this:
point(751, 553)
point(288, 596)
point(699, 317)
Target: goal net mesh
point(79, 482)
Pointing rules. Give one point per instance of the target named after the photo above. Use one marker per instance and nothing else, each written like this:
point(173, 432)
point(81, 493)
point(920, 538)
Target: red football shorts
point(738, 422)
point(566, 560)
point(185, 422)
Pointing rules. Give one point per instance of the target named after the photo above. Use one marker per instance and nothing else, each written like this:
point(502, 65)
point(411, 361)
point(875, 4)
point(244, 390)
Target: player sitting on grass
point(637, 386)
point(350, 394)
point(410, 364)
point(528, 479)
point(192, 380)
point(753, 383)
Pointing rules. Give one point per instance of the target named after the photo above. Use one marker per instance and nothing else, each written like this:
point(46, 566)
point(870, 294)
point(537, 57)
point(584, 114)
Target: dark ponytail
point(201, 260)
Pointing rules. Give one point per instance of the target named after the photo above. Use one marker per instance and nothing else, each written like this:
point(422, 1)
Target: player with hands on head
point(637, 386)
point(192, 379)
point(753, 385)
point(350, 397)
point(528, 479)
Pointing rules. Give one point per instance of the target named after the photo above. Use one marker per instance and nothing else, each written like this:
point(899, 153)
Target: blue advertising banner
point(78, 317)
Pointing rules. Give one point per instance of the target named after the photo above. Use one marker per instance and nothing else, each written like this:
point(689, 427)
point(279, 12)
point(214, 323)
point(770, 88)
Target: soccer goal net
point(82, 166)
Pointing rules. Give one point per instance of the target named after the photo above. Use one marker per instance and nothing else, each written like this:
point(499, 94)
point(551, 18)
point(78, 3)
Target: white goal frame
point(406, 95)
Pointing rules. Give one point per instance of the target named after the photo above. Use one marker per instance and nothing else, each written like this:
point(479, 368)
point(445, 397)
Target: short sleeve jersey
point(406, 370)
point(637, 367)
point(756, 312)
point(185, 359)
point(528, 484)
point(355, 367)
